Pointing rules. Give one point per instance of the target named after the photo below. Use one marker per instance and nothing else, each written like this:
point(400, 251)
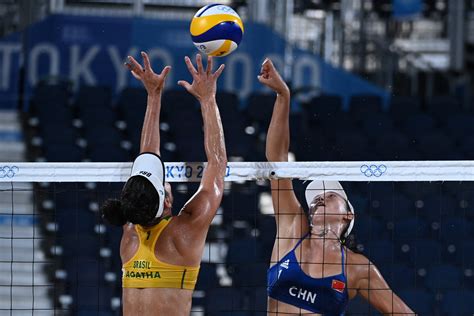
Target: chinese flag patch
point(338, 285)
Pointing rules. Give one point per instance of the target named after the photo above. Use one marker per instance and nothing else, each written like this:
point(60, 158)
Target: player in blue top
point(313, 271)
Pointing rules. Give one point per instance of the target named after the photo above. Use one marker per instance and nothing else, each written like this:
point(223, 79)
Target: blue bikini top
point(288, 283)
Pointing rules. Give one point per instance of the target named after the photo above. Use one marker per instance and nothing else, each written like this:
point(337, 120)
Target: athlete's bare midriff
point(156, 302)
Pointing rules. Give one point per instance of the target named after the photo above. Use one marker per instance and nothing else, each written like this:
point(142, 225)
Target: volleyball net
point(414, 221)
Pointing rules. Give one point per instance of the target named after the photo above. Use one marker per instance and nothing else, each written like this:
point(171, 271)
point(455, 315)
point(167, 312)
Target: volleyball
point(216, 30)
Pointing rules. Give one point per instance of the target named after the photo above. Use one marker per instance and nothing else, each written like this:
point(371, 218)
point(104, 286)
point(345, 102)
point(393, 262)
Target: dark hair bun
point(112, 212)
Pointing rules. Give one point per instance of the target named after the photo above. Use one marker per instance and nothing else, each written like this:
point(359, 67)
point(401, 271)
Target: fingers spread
point(184, 84)
point(165, 71)
point(135, 75)
point(134, 65)
point(146, 61)
point(209, 65)
point(190, 66)
point(199, 63)
point(219, 71)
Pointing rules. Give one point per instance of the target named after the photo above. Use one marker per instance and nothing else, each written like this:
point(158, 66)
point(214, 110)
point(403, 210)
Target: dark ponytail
point(138, 204)
point(113, 213)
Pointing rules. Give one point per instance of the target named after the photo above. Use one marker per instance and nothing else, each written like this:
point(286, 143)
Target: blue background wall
point(91, 50)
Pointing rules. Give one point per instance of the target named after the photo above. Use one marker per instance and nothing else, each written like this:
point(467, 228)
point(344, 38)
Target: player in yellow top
point(161, 254)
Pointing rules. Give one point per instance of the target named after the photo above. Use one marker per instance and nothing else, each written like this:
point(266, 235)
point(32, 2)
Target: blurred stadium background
point(371, 80)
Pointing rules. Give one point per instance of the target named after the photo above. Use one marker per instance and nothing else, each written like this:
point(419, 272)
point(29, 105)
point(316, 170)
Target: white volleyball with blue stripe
point(216, 30)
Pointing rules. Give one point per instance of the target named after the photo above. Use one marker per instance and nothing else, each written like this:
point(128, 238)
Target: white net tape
point(241, 171)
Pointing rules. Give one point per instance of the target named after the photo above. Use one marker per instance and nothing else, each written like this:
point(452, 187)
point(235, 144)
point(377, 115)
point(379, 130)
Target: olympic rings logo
point(8, 171)
point(373, 170)
point(225, 9)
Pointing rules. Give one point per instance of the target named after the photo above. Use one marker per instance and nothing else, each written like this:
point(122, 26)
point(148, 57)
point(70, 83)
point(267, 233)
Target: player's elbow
point(218, 190)
point(223, 161)
point(218, 186)
point(213, 191)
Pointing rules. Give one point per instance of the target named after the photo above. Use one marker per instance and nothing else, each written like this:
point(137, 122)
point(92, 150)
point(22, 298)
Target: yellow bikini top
point(144, 270)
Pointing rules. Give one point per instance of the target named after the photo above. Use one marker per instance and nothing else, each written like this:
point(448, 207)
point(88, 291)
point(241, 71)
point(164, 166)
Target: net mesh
point(58, 257)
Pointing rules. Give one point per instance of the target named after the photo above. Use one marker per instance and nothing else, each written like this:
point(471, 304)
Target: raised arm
point(290, 218)
point(154, 85)
point(278, 136)
point(376, 291)
point(112, 210)
point(202, 207)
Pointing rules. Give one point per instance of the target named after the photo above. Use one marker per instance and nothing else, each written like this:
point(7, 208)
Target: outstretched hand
point(270, 77)
point(203, 86)
point(154, 83)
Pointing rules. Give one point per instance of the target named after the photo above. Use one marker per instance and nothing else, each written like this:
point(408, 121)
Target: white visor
point(316, 188)
point(151, 167)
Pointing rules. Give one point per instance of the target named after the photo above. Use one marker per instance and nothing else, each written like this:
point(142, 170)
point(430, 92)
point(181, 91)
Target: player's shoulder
point(359, 263)
point(356, 258)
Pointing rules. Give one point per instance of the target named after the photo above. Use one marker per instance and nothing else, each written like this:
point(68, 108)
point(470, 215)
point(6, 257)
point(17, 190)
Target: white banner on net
point(240, 171)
